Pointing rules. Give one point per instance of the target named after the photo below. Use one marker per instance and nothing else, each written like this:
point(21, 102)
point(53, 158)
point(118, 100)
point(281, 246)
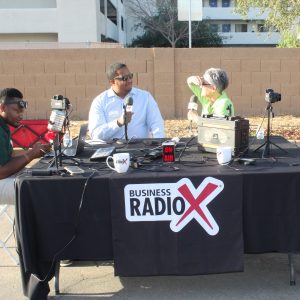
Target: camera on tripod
point(60, 102)
point(272, 97)
point(59, 115)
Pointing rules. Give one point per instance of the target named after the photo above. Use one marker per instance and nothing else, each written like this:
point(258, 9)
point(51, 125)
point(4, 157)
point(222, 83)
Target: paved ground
point(266, 276)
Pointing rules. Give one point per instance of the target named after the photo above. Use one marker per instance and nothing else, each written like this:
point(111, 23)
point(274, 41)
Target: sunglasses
point(21, 103)
point(203, 83)
point(124, 77)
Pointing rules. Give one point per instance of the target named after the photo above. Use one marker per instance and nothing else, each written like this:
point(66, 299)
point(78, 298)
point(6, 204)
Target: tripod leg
point(260, 146)
point(279, 147)
point(266, 151)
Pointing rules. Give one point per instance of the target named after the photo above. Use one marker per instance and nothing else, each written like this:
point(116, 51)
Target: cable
point(184, 148)
point(76, 224)
point(155, 168)
point(249, 145)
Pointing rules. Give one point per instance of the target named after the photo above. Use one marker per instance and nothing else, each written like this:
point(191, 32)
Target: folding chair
point(4, 215)
point(24, 136)
point(28, 133)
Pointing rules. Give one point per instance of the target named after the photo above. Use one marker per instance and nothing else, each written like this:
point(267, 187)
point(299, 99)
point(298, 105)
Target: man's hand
point(121, 120)
point(38, 150)
point(20, 161)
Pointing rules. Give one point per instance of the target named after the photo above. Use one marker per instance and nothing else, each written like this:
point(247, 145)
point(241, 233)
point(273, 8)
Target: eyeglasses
point(21, 103)
point(124, 77)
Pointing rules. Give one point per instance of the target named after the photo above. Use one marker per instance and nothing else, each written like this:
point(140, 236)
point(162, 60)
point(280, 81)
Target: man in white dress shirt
point(107, 114)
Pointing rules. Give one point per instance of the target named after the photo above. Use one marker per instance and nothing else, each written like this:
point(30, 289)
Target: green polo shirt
point(6, 148)
point(222, 107)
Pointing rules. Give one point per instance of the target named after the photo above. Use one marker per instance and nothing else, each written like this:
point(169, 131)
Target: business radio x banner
point(182, 226)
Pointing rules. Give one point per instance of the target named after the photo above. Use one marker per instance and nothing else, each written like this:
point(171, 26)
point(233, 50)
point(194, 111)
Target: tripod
point(57, 145)
point(267, 143)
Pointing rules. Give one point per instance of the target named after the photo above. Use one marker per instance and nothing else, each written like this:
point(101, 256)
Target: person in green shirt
point(210, 90)
point(12, 107)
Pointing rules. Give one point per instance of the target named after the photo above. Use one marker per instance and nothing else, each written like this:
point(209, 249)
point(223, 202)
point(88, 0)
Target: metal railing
point(56, 45)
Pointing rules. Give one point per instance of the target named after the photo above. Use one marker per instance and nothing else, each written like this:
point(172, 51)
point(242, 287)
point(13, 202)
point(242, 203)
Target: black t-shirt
point(6, 148)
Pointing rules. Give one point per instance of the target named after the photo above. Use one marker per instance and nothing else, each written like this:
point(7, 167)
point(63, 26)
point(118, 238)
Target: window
point(241, 27)
point(225, 3)
point(102, 7)
point(107, 39)
point(213, 3)
point(111, 12)
point(122, 23)
point(213, 27)
point(262, 28)
point(226, 27)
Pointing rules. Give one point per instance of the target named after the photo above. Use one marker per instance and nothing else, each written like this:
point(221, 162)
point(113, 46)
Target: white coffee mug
point(224, 155)
point(121, 162)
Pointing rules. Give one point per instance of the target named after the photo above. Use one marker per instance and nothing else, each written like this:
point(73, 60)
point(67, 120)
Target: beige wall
point(79, 74)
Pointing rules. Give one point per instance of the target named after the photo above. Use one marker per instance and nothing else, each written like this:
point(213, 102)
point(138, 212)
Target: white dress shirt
point(107, 107)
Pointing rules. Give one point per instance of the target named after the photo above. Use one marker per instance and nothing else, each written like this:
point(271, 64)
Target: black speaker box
point(215, 132)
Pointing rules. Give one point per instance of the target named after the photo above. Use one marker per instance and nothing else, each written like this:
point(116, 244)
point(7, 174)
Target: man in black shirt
point(12, 107)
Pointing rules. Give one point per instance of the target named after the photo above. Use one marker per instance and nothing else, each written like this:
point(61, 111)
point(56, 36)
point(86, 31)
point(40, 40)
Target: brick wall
point(79, 74)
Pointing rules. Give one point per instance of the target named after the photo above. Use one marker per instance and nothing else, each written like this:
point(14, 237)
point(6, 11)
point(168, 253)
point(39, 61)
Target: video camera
point(60, 102)
point(59, 115)
point(272, 97)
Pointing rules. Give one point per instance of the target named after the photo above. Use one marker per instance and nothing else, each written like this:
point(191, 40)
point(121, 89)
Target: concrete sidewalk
point(266, 276)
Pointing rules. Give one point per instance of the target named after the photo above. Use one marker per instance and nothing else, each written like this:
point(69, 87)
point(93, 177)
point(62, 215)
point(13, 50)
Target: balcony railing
point(227, 13)
point(56, 45)
point(250, 38)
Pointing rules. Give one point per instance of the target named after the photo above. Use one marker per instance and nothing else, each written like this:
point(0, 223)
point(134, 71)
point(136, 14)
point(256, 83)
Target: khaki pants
point(7, 191)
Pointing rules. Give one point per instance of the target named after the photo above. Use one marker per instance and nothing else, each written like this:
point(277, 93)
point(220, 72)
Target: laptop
point(77, 144)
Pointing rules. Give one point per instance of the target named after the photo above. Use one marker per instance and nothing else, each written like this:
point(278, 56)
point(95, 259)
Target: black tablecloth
point(257, 211)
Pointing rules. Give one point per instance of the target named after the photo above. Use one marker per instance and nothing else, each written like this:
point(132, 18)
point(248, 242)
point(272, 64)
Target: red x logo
point(195, 203)
point(198, 199)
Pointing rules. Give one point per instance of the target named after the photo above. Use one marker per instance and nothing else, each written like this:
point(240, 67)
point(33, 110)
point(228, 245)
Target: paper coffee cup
point(224, 155)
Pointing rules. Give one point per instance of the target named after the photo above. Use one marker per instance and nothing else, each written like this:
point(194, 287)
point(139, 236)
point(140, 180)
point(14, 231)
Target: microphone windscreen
point(194, 99)
point(128, 101)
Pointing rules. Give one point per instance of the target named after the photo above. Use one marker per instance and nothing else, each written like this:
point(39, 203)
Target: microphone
point(193, 104)
point(127, 107)
point(192, 110)
point(42, 172)
point(229, 110)
point(128, 104)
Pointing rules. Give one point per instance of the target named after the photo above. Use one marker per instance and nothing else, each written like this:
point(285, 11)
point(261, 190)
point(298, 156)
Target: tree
point(161, 16)
point(283, 15)
point(202, 37)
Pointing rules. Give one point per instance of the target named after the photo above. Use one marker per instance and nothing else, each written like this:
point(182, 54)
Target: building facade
point(63, 21)
point(85, 21)
point(234, 29)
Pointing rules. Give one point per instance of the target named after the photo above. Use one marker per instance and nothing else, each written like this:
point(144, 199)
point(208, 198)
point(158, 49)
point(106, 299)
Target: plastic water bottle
point(260, 134)
point(67, 140)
